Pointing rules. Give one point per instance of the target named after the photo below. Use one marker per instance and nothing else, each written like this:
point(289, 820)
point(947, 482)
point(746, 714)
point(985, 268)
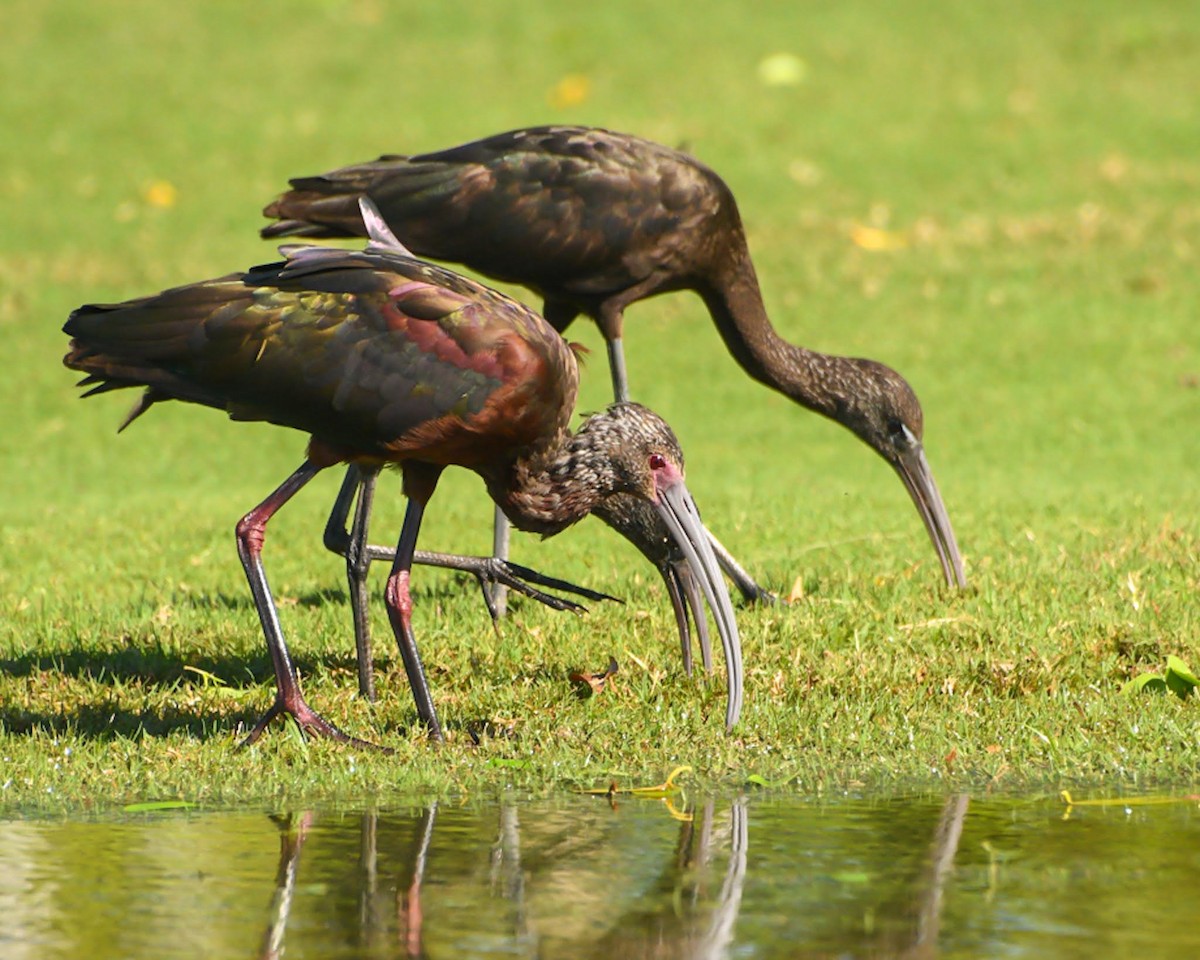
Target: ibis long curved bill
point(678, 511)
point(918, 480)
point(689, 607)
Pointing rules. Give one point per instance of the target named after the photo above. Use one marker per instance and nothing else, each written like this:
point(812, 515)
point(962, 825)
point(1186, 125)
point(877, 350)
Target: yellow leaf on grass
point(797, 591)
point(663, 790)
point(596, 681)
point(161, 194)
point(782, 70)
point(872, 238)
point(570, 91)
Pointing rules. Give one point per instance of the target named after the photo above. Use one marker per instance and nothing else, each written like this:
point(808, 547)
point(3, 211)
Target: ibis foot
point(309, 721)
point(492, 571)
point(760, 596)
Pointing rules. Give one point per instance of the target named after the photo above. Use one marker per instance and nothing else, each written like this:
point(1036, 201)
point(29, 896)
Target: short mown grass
point(1002, 204)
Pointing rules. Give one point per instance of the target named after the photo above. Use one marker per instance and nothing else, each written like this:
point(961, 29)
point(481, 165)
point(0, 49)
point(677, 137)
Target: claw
point(310, 722)
point(525, 573)
point(492, 570)
point(765, 597)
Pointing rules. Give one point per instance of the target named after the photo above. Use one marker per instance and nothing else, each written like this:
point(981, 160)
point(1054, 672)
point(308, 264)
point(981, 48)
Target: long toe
point(264, 722)
point(506, 571)
point(316, 725)
point(311, 722)
point(761, 596)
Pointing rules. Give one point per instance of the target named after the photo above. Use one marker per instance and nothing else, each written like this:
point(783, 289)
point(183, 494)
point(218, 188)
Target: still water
point(757, 876)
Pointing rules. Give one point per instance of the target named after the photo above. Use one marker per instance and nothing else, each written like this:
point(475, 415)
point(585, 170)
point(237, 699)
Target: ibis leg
point(399, 607)
point(293, 832)
point(501, 534)
point(358, 564)
point(616, 366)
point(408, 906)
point(488, 571)
point(251, 532)
point(491, 570)
point(352, 544)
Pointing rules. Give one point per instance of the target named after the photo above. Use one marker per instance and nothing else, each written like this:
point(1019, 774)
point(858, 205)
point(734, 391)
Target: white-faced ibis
point(386, 360)
point(594, 221)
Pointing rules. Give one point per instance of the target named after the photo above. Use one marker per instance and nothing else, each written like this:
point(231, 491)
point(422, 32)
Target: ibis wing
point(576, 210)
point(364, 352)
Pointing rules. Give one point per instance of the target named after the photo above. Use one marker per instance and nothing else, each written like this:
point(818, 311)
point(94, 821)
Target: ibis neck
point(547, 489)
point(735, 302)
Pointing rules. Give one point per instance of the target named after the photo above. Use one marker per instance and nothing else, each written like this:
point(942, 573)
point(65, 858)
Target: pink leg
point(408, 906)
point(251, 532)
point(399, 607)
point(420, 480)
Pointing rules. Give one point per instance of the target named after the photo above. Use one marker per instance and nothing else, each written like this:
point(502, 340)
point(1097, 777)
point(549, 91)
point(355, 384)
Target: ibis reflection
point(449, 881)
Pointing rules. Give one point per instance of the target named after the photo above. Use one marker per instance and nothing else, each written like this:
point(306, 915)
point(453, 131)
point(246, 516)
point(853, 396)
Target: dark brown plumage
point(593, 221)
point(383, 359)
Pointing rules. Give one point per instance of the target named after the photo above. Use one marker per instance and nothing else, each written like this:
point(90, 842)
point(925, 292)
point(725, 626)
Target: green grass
point(1037, 166)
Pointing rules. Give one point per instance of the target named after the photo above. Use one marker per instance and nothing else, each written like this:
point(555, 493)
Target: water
point(909, 876)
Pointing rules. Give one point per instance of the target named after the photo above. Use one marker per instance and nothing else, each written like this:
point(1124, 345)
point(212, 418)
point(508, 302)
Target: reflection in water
point(699, 926)
point(720, 929)
point(941, 859)
point(696, 934)
point(409, 909)
point(898, 877)
point(292, 834)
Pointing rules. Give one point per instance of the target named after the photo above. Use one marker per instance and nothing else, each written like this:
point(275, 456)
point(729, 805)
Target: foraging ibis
point(385, 360)
point(594, 221)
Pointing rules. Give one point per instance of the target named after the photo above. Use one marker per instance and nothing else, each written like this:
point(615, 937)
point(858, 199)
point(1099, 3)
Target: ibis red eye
point(657, 461)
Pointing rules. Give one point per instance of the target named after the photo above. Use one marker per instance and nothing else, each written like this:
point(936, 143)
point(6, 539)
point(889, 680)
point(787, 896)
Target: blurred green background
point(998, 200)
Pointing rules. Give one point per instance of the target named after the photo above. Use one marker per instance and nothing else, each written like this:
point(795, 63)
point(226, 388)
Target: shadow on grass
point(163, 670)
point(159, 677)
point(156, 665)
point(445, 588)
point(243, 601)
point(104, 722)
point(101, 721)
